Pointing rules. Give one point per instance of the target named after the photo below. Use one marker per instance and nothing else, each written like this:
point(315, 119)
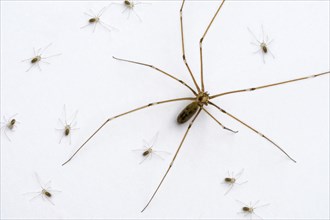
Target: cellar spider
point(263, 45)
point(250, 209)
point(231, 180)
point(67, 128)
point(37, 58)
point(148, 150)
point(130, 6)
point(96, 19)
point(9, 124)
point(46, 191)
point(198, 102)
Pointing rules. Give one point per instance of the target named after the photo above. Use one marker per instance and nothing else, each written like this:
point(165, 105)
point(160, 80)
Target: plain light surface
point(105, 180)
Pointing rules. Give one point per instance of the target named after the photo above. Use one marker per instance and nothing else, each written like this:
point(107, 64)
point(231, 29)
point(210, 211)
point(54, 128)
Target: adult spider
point(199, 100)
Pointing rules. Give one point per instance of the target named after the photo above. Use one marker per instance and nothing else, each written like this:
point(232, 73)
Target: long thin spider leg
point(85, 26)
point(126, 8)
point(241, 202)
point(157, 155)
point(42, 51)
point(257, 215)
point(38, 66)
point(145, 157)
point(101, 12)
point(125, 113)
point(58, 54)
point(171, 164)
point(261, 205)
point(88, 14)
point(269, 85)
point(201, 43)
point(4, 131)
point(137, 15)
point(109, 26)
point(254, 36)
point(106, 26)
point(239, 173)
point(271, 54)
point(74, 118)
point(95, 23)
point(183, 49)
point(154, 139)
point(230, 188)
point(228, 129)
point(32, 65)
point(155, 68)
point(262, 135)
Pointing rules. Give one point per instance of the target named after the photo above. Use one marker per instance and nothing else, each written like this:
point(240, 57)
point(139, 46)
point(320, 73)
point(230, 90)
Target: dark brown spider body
point(189, 111)
point(146, 153)
point(247, 209)
point(93, 20)
point(36, 59)
point(11, 124)
point(67, 131)
point(229, 180)
point(46, 193)
point(264, 47)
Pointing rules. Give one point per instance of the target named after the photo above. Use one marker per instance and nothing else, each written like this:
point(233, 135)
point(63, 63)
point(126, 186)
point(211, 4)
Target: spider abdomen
point(187, 112)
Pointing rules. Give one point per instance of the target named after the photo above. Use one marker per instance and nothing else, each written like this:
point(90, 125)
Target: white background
point(105, 179)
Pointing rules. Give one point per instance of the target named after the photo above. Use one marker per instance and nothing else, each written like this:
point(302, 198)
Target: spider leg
point(137, 15)
point(125, 113)
point(51, 56)
point(84, 26)
point(32, 65)
point(228, 129)
point(230, 188)
point(4, 131)
point(183, 49)
point(201, 43)
point(159, 70)
point(94, 27)
point(269, 85)
point(262, 135)
point(254, 36)
point(171, 164)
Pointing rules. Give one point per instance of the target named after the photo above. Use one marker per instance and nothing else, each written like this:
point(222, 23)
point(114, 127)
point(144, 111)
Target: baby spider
point(46, 192)
point(148, 150)
point(130, 6)
point(8, 124)
point(37, 58)
point(263, 45)
point(199, 101)
point(96, 19)
point(67, 127)
point(250, 209)
point(231, 180)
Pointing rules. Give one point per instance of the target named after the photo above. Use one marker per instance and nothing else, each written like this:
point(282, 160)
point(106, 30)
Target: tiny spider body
point(264, 47)
point(230, 180)
point(94, 20)
point(147, 152)
point(247, 209)
point(129, 4)
point(11, 124)
point(199, 101)
point(46, 193)
point(36, 59)
point(67, 130)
